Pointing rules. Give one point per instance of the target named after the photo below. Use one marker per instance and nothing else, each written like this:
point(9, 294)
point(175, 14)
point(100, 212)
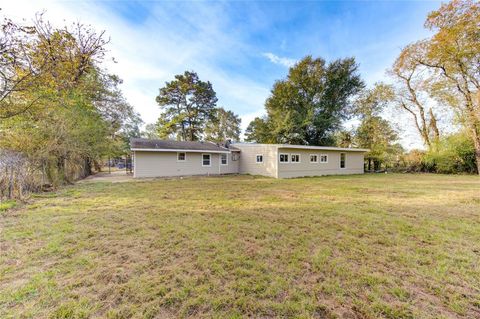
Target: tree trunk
point(10, 184)
point(433, 127)
point(476, 142)
point(88, 167)
point(476, 137)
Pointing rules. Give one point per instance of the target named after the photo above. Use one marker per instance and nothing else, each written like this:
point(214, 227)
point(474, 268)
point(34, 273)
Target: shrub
point(453, 154)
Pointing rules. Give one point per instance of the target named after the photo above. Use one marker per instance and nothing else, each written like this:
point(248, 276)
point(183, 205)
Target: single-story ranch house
point(160, 158)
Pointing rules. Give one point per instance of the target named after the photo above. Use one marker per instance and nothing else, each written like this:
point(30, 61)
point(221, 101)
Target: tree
point(223, 125)
point(187, 104)
point(344, 138)
point(18, 72)
point(150, 131)
point(39, 58)
point(73, 114)
point(451, 60)
point(258, 131)
point(453, 54)
point(311, 103)
point(413, 92)
point(374, 132)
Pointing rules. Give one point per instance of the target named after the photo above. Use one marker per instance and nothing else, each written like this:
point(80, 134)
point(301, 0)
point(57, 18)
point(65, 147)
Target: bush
point(414, 162)
point(452, 155)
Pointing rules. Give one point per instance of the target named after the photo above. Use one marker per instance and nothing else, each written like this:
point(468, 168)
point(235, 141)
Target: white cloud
point(279, 60)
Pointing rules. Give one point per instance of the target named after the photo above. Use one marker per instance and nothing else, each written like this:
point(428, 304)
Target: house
point(161, 158)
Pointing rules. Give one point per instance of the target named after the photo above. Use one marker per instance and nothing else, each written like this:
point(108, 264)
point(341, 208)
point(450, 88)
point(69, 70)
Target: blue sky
point(242, 47)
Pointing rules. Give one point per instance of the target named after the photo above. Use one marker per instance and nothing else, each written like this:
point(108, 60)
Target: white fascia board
point(175, 150)
point(323, 148)
point(307, 147)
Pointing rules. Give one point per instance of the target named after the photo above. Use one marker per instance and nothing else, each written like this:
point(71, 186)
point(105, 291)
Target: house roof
point(308, 147)
point(143, 144)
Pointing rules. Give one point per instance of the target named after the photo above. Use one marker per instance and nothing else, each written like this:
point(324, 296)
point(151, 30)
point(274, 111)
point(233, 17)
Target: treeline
point(434, 79)
point(61, 112)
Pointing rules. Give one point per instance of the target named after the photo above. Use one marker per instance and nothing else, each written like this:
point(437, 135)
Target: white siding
point(354, 163)
point(248, 155)
point(164, 164)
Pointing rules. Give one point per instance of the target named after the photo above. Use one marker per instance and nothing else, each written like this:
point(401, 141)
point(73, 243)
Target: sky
point(241, 47)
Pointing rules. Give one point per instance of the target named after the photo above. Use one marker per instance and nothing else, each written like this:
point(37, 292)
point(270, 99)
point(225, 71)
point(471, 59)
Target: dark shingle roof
point(143, 143)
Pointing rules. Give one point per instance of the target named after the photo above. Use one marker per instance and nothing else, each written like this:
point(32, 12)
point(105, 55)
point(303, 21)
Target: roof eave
point(175, 150)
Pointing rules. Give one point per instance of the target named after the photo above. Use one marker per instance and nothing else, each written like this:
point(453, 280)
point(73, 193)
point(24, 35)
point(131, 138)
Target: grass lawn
point(388, 246)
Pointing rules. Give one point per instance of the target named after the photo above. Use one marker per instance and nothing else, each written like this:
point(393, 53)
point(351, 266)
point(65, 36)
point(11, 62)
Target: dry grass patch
point(388, 246)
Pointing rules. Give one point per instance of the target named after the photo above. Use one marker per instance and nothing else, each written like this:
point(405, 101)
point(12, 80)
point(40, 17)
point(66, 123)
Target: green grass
point(7, 204)
point(372, 246)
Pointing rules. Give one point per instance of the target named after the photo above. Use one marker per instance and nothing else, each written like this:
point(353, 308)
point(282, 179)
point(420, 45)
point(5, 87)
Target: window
point(313, 158)
point(295, 158)
point(342, 160)
point(259, 158)
point(235, 156)
point(206, 160)
point(181, 157)
point(323, 158)
point(283, 158)
point(223, 159)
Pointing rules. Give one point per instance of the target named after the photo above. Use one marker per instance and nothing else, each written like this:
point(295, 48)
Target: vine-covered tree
point(187, 104)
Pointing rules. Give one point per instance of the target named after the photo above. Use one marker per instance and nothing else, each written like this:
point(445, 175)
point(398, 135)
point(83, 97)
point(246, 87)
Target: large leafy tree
point(310, 104)
point(41, 62)
point(72, 113)
point(451, 62)
point(453, 53)
point(223, 125)
point(187, 104)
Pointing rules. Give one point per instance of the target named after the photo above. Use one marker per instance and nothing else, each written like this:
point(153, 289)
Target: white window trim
point(210, 157)
point(310, 158)
point(181, 161)
point(257, 162)
point(288, 158)
point(226, 156)
point(299, 158)
point(340, 162)
point(320, 159)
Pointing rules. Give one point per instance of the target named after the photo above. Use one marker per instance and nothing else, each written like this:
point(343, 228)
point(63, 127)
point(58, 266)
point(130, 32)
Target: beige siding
point(354, 163)
point(248, 164)
point(162, 164)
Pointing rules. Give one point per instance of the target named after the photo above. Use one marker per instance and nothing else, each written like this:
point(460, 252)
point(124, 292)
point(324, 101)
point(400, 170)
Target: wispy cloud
point(279, 60)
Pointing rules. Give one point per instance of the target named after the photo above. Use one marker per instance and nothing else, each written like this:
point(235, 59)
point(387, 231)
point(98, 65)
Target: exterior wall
point(354, 163)
point(164, 164)
point(248, 155)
